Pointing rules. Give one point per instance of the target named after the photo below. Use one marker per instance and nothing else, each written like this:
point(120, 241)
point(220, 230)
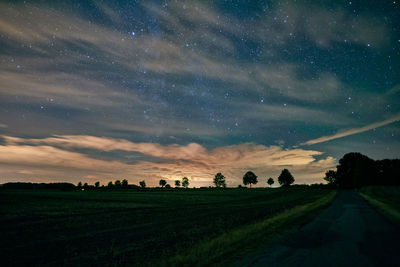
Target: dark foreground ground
point(347, 233)
point(129, 228)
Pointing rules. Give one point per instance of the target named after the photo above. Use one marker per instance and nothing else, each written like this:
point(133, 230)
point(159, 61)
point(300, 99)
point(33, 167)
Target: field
point(149, 227)
point(386, 199)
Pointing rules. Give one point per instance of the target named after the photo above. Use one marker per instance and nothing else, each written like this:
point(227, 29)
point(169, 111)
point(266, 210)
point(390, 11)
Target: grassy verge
point(385, 200)
point(244, 240)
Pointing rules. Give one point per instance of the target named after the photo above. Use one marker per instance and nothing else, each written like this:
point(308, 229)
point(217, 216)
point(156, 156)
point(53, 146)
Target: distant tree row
point(118, 184)
point(249, 178)
point(357, 170)
point(284, 179)
point(185, 183)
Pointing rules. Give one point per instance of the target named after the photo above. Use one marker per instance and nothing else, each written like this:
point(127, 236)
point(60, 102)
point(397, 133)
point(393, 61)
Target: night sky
point(97, 90)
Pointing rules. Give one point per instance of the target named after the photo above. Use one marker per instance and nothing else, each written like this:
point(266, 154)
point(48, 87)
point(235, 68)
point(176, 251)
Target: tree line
point(118, 184)
point(356, 170)
point(249, 178)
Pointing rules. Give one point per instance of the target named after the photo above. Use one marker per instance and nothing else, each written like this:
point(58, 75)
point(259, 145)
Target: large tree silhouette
point(270, 181)
point(185, 182)
point(249, 178)
point(219, 180)
point(285, 178)
point(162, 182)
point(355, 170)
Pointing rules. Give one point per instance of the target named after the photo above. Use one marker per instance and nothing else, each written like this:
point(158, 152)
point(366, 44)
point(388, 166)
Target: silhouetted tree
point(270, 181)
point(117, 183)
point(249, 178)
point(79, 186)
point(167, 186)
point(330, 177)
point(355, 170)
point(110, 184)
point(124, 183)
point(219, 180)
point(85, 186)
point(185, 182)
point(285, 178)
point(97, 184)
point(142, 184)
point(177, 183)
point(162, 182)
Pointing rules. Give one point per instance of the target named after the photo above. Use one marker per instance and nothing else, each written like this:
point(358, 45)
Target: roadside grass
point(248, 239)
point(386, 199)
point(140, 227)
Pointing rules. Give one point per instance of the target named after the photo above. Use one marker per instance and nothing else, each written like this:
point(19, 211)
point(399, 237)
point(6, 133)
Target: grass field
point(386, 199)
point(137, 227)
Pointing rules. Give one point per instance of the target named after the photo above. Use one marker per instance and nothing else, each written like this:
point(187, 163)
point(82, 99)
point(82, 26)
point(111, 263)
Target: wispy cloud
point(353, 131)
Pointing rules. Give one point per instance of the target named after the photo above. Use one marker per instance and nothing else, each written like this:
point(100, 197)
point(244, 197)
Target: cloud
point(62, 59)
point(59, 153)
point(203, 32)
point(190, 71)
point(326, 27)
point(239, 155)
point(353, 131)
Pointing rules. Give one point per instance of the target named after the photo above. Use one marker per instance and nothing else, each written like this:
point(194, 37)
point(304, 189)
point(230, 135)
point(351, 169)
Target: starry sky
point(104, 90)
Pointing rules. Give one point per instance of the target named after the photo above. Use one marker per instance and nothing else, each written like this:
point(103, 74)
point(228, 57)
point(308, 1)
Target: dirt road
point(347, 233)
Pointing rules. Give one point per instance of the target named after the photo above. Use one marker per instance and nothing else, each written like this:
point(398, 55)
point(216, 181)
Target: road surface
point(347, 233)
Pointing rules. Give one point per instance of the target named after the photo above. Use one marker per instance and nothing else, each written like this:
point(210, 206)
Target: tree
point(79, 185)
point(162, 182)
point(285, 178)
point(97, 184)
point(185, 182)
point(249, 178)
point(124, 183)
point(355, 170)
point(330, 177)
point(167, 186)
point(219, 180)
point(177, 183)
point(142, 184)
point(117, 183)
point(85, 186)
point(110, 184)
point(270, 181)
